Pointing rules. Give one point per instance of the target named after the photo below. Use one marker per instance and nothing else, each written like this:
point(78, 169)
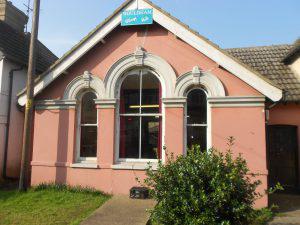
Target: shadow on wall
point(62, 147)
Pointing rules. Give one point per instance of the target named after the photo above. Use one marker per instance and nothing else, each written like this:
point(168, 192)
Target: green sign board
point(137, 17)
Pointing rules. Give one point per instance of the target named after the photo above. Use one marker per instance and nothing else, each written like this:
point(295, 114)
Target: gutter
point(267, 137)
point(268, 108)
point(11, 79)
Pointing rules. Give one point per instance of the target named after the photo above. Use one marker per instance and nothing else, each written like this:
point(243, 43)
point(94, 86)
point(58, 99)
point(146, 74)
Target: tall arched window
point(140, 116)
point(87, 126)
point(196, 127)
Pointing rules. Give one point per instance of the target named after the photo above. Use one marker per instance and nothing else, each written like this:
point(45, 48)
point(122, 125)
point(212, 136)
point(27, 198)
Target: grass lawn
point(48, 205)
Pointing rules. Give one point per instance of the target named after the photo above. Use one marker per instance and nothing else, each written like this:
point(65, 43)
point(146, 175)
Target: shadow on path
point(289, 209)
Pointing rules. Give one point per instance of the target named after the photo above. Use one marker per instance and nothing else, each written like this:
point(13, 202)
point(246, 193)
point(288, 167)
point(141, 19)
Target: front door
point(283, 155)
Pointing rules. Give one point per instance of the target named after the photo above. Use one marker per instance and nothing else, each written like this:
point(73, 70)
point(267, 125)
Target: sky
point(227, 23)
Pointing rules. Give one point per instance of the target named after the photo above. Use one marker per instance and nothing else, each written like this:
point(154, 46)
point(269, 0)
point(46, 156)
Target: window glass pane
point(196, 136)
point(151, 141)
point(130, 94)
point(88, 109)
point(129, 137)
point(150, 93)
point(88, 141)
point(196, 107)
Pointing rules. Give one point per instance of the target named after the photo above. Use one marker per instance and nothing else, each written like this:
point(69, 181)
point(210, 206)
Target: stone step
point(121, 210)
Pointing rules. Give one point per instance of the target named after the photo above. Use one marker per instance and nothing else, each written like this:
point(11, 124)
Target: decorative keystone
point(87, 76)
point(139, 55)
point(196, 72)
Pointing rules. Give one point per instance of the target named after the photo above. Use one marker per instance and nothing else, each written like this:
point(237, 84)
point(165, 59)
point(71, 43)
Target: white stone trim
point(214, 53)
point(134, 166)
point(55, 104)
point(196, 78)
point(180, 31)
point(159, 66)
point(236, 101)
point(84, 165)
point(106, 103)
point(94, 39)
point(174, 102)
point(83, 82)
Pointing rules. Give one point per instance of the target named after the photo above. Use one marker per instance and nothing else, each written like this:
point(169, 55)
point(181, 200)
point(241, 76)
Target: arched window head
point(87, 126)
point(196, 127)
point(140, 116)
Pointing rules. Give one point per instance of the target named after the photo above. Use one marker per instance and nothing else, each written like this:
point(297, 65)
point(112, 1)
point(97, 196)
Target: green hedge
point(203, 188)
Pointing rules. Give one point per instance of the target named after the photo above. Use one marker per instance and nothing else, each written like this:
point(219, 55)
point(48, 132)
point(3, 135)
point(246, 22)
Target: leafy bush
point(262, 216)
point(203, 188)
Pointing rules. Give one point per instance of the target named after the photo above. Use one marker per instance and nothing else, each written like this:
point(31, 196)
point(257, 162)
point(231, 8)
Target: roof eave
point(265, 86)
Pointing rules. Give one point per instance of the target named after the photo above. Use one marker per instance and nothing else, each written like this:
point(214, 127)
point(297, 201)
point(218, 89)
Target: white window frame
point(208, 119)
point(80, 159)
point(161, 115)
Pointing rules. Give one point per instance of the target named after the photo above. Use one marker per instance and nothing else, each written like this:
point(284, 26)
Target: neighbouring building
point(125, 95)
point(14, 50)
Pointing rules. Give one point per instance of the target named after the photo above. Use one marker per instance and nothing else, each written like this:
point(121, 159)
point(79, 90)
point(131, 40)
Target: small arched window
point(87, 126)
point(140, 116)
point(196, 126)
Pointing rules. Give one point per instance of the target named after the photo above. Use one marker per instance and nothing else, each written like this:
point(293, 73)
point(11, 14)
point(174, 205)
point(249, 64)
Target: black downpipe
point(11, 80)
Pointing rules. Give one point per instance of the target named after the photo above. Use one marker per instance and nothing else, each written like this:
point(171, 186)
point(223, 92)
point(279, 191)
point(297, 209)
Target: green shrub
point(262, 216)
point(203, 188)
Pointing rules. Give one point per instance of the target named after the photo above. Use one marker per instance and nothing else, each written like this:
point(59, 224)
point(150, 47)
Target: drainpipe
point(267, 109)
point(11, 80)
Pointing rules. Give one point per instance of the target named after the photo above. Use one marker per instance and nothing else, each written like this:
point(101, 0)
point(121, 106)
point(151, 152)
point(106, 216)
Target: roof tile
point(15, 46)
point(268, 61)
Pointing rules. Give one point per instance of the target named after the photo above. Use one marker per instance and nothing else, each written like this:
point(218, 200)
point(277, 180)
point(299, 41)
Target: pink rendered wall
point(247, 126)
point(54, 148)
point(54, 138)
point(174, 130)
point(54, 132)
point(123, 41)
point(16, 126)
point(106, 121)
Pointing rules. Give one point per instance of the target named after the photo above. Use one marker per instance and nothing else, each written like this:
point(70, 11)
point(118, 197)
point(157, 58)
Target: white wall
point(16, 126)
point(295, 66)
point(16, 116)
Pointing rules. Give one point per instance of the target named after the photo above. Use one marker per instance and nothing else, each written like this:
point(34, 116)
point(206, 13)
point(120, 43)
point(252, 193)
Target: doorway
point(283, 156)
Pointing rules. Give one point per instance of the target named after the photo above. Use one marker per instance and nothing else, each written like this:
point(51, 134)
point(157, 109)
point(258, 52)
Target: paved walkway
point(121, 210)
point(289, 209)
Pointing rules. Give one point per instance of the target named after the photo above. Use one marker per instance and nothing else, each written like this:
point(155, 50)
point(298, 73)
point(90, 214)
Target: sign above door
point(137, 17)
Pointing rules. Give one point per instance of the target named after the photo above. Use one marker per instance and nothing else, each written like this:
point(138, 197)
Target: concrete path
point(289, 209)
point(121, 210)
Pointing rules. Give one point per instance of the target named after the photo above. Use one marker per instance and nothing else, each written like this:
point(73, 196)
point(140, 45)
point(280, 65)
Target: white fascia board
point(173, 26)
point(215, 54)
point(77, 54)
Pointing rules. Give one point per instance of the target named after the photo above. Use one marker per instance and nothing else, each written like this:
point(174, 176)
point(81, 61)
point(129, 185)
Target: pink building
point(113, 102)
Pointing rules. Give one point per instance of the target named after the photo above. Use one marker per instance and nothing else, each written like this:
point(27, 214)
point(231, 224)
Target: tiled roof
point(268, 61)
point(293, 54)
point(15, 46)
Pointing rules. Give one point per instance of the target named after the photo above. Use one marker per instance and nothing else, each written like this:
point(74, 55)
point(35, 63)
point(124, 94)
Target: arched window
point(140, 116)
point(196, 126)
point(87, 126)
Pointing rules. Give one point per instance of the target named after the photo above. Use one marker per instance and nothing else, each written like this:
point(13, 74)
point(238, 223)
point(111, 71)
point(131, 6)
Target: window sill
point(85, 165)
point(133, 166)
